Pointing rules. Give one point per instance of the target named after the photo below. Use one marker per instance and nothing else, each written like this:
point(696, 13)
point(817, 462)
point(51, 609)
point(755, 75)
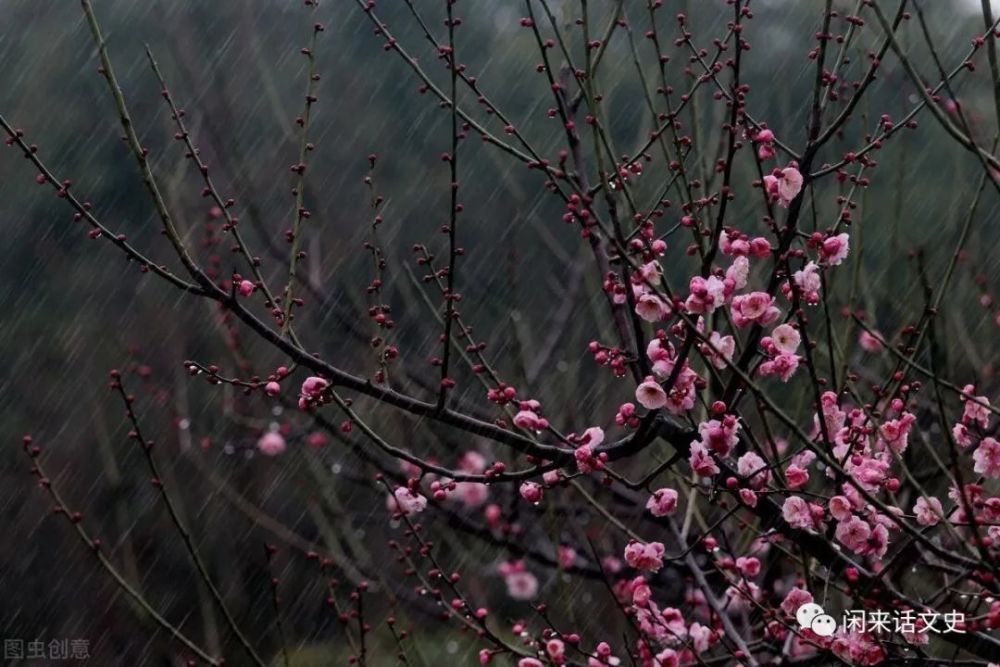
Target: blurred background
point(72, 308)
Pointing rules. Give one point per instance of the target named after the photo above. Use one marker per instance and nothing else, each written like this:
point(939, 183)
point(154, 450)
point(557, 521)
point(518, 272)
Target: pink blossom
point(531, 492)
point(706, 294)
point(987, 458)
point(760, 247)
point(720, 349)
point(976, 410)
point(529, 420)
point(652, 308)
point(567, 556)
point(962, 435)
point(797, 513)
point(853, 534)
point(928, 511)
point(472, 462)
point(783, 366)
point(701, 461)
point(701, 637)
point(754, 469)
point(586, 462)
point(840, 508)
point(783, 185)
point(795, 599)
point(556, 649)
point(317, 439)
point(754, 307)
point(734, 243)
point(857, 649)
point(748, 497)
point(749, 566)
point(764, 136)
point(644, 556)
point(796, 477)
point(651, 272)
point(895, 433)
point(789, 184)
point(529, 662)
point(593, 436)
point(786, 338)
point(602, 657)
point(739, 273)
point(834, 249)
point(869, 342)
point(472, 494)
point(808, 282)
point(869, 472)
point(878, 543)
point(641, 592)
point(312, 391)
point(667, 658)
point(271, 444)
point(657, 351)
point(663, 502)
point(407, 502)
point(650, 394)
point(246, 288)
point(272, 388)
point(314, 386)
point(521, 585)
point(720, 436)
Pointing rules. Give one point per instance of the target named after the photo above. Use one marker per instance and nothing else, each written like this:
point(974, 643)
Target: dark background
point(71, 308)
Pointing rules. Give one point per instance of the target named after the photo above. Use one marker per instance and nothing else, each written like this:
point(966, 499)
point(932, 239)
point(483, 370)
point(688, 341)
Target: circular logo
point(807, 612)
point(824, 625)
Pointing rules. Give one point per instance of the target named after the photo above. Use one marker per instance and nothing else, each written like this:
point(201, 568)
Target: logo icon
point(811, 616)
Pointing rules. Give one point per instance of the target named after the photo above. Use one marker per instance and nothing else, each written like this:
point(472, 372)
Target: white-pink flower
point(754, 469)
point(663, 502)
point(706, 294)
point(644, 556)
point(749, 566)
point(928, 511)
point(789, 184)
point(869, 342)
point(650, 394)
point(754, 307)
point(834, 249)
point(808, 282)
point(786, 338)
point(783, 366)
point(795, 599)
point(739, 272)
point(312, 392)
point(797, 513)
point(783, 185)
point(407, 502)
point(652, 308)
point(719, 349)
point(987, 458)
point(701, 460)
point(976, 409)
point(271, 444)
point(521, 585)
point(853, 534)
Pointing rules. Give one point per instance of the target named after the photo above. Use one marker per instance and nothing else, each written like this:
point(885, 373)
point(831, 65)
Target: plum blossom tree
point(697, 499)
